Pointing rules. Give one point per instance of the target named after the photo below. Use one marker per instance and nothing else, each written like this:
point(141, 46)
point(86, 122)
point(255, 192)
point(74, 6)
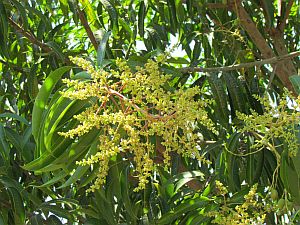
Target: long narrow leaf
point(101, 49)
point(42, 98)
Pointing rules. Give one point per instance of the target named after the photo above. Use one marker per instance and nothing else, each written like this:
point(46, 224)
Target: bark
point(284, 69)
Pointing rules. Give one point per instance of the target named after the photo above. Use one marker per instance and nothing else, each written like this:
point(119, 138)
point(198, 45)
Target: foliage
point(241, 120)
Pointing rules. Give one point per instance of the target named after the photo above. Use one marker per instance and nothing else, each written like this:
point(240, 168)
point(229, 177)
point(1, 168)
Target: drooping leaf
point(295, 80)
point(183, 207)
point(42, 98)
point(141, 16)
point(101, 48)
point(113, 14)
point(220, 96)
point(4, 152)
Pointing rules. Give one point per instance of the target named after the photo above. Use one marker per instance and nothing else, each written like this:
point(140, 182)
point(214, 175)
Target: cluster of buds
point(135, 107)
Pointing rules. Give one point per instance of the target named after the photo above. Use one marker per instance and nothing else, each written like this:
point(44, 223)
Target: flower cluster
point(134, 107)
point(252, 211)
point(222, 190)
point(277, 122)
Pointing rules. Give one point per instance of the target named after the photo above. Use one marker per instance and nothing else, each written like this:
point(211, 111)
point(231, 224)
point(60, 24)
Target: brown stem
point(33, 39)
point(252, 30)
point(29, 36)
point(283, 19)
point(284, 70)
point(287, 67)
point(144, 112)
point(114, 101)
point(242, 65)
point(87, 28)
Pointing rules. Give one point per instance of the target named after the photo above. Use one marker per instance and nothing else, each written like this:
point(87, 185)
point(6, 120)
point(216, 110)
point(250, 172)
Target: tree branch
point(242, 65)
point(87, 28)
point(283, 71)
point(252, 30)
point(13, 67)
point(33, 39)
point(29, 36)
point(283, 19)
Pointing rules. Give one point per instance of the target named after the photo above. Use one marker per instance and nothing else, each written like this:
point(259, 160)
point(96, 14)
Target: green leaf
point(105, 207)
point(113, 15)
point(53, 118)
point(33, 11)
point(181, 179)
point(81, 76)
point(259, 166)
point(53, 220)
point(125, 191)
point(231, 165)
point(64, 7)
point(72, 6)
point(173, 15)
point(2, 220)
point(10, 183)
point(181, 13)
point(196, 51)
point(182, 208)
point(80, 170)
point(14, 138)
point(141, 18)
point(295, 80)
point(57, 210)
point(88, 8)
point(14, 116)
point(55, 159)
point(250, 169)
point(57, 49)
point(290, 178)
point(42, 99)
point(126, 26)
point(32, 83)
point(236, 93)
point(36, 220)
point(4, 147)
point(41, 30)
point(3, 30)
point(101, 48)
point(17, 205)
point(46, 158)
point(22, 12)
point(59, 176)
point(219, 94)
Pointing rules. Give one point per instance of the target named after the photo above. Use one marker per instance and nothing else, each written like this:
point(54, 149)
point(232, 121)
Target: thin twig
point(87, 28)
point(240, 66)
point(33, 39)
point(144, 112)
point(271, 78)
point(29, 36)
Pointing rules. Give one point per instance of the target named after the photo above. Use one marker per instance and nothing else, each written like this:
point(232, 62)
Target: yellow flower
point(130, 114)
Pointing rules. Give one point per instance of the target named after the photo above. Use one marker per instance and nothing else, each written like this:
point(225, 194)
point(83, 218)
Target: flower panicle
point(135, 105)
